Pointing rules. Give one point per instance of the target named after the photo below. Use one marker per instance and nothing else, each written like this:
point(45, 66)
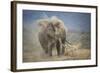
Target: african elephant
point(60, 34)
point(52, 34)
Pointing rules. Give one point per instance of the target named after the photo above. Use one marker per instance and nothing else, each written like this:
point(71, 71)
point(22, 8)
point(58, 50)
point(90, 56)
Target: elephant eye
point(58, 24)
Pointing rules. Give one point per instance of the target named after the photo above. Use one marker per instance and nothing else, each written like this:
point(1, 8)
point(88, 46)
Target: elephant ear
point(43, 23)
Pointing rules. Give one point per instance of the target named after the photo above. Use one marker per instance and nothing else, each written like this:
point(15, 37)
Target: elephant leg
point(46, 51)
point(63, 46)
point(63, 49)
point(58, 48)
point(50, 52)
point(50, 49)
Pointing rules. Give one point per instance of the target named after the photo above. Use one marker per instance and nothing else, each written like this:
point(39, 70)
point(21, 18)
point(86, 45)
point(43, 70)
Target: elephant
point(52, 34)
point(60, 34)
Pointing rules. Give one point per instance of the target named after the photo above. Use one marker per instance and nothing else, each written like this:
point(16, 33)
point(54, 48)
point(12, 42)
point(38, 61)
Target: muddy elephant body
point(52, 35)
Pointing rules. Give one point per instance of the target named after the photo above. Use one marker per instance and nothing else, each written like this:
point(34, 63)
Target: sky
point(74, 21)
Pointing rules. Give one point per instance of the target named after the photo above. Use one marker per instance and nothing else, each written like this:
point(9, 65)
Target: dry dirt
point(70, 54)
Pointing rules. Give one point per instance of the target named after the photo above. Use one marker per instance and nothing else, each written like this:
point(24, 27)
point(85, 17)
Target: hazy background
point(78, 25)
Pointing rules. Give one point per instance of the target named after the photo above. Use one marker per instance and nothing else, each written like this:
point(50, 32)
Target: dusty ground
point(72, 54)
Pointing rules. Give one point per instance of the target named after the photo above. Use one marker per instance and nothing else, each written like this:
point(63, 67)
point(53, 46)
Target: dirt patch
point(75, 54)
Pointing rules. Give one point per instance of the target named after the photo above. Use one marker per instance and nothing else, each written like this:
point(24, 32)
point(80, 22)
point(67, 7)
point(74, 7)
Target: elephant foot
point(50, 54)
point(60, 54)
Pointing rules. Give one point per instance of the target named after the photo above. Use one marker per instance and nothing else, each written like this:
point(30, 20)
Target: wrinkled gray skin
point(52, 35)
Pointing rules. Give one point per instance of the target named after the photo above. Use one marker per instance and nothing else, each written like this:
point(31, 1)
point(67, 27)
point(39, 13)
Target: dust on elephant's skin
point(52, 34)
